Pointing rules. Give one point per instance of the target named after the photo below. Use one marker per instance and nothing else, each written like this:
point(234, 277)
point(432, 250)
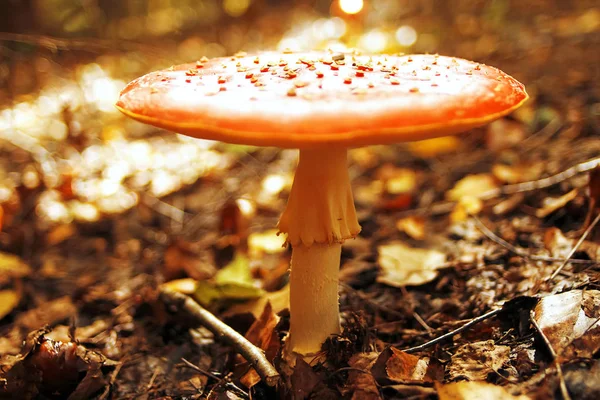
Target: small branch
point(447, 206)
point(253, 354)
point(563, 386)
point(544, 182)
point(520, 252)
point(92, 45)
point(574, 249)
point(450, 334)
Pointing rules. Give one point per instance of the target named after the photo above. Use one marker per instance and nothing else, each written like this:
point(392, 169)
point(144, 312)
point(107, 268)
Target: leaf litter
point(433, 305)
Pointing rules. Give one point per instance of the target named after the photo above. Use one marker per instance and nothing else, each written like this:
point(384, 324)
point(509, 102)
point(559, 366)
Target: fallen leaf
point(232, 282)
point(8, 301)
point(262, 333)
point(60, 233)
point(551, 204)
point(412, 226)
point(432, 147)
point(361, 382)
point(12, 267)
point(402, 265)
point(556, 243)
point(472, 186)
point(474, 390)
point(54, 368)
point(517, 173)
point(583, 381)
point(467, 205)
point(233, 228)
point(303, 380)
point(396, 366)
point(180, 258)
point(185, 285)
point(268, 242)
point(594, 186)
point(570, 322)
point(279, 300)
point(475, 361)
point(48, 313)
point(503, 134)
point(404, 180)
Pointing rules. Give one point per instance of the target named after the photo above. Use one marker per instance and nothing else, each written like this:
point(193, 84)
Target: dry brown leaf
point(60, 233)
point(556, 243)
point(503, 134)
point(180, 258)
point(475, 361)
point(472, 186)
point(552, 204)
point(402, 265)
point(262, 333)
point(8, 301)
point(412, 226)
point(396, 366)
point(362, 385)
point(570, 321)
point(47, 313)
point(474, 390)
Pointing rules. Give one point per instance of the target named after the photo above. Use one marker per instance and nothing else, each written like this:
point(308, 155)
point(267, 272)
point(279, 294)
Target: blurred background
point(63, 63)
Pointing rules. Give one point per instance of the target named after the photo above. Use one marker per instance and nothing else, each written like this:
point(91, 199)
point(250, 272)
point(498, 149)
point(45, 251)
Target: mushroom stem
point(319, 216)
point(314, 306)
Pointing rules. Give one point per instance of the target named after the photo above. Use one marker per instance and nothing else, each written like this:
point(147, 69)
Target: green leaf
point(233, 282)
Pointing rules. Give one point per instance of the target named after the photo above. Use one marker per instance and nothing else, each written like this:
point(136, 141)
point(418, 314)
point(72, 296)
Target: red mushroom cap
point(316, 99)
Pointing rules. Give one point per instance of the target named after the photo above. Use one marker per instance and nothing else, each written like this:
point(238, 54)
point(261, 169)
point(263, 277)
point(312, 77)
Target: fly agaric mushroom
point(321, 103)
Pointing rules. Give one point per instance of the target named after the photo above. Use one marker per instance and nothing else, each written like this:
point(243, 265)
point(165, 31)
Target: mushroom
point(322, 104)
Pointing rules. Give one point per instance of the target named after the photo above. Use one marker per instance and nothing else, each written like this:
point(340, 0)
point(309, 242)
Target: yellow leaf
point(467, 205)
point(432, 147)
point(472, 185)
point(8, 301)
point(185, 285)
point(233, 282)
point(474, 390)
point(12, 266)
point(265, 242)
point(403, 265)
point(412, 226)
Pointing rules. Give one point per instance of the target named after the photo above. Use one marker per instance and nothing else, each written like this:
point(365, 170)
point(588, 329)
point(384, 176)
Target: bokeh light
point(236, 8)
point(351, 6)
point(406, 36)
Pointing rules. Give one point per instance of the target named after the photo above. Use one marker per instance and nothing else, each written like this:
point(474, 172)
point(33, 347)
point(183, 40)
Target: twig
point(520, 252)
point(381, 307)
point(544, 182)
point(448, 335)
point(563, 386)
point(220, 381)
point(196, 368)
point(574, 249)
point(112, 381)
point(85, 44)
point(253, 354)
point(447, 206)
